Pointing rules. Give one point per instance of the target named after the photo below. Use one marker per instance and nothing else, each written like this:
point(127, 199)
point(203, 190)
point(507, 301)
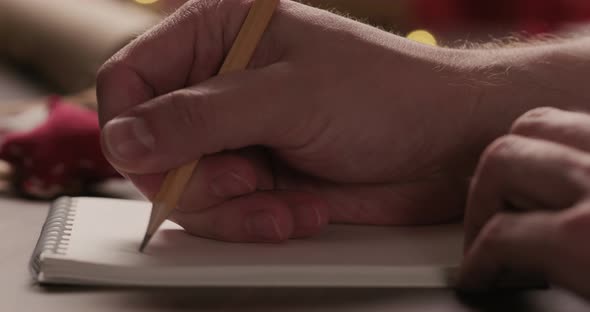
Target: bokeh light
point(422, 36)
point(146, 1)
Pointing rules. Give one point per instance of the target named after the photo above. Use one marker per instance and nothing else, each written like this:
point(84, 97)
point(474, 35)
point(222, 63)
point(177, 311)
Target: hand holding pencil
point(279, 146)
point(238, 59)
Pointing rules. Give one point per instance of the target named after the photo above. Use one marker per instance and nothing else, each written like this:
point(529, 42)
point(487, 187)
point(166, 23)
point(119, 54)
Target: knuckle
point(228, 5)
point(583, 171)
point(490, 236)
point(105, 73)
point(197, 7)
point(533, 121)
point(578, 173)
point(106, 80)
point(497, 153)
point(112, 67)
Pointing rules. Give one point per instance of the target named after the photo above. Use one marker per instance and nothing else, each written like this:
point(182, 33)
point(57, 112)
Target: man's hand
point(335, 121)
point(529, 203)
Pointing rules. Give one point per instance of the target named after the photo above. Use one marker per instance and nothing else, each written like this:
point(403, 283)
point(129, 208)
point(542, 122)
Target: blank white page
point(106, 234)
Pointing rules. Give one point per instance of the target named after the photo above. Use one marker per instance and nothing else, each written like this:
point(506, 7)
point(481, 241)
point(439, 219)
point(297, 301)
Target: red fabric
point(533, 16)
point(61, 154)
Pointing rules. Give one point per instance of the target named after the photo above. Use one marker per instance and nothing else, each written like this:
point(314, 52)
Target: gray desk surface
point(20, 222)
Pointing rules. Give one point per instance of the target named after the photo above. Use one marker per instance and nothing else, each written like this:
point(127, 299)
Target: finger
point(552, 124)
point(225, 113)
point(218, 178)
point(433, 201)
point(310, 212)
point(526, 173)
point(523, 243)
point(186, 48)
point(259, 217)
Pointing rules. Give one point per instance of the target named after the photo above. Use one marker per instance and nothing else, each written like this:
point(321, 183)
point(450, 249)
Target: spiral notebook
point(95, 241)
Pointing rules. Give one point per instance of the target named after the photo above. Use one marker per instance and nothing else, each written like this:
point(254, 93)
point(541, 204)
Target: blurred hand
point(529, 203)
point(335, 121)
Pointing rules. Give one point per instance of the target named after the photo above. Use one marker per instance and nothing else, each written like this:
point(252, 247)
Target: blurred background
point(50, 51)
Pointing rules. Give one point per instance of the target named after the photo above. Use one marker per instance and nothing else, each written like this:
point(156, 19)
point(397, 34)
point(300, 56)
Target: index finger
point(186, 48)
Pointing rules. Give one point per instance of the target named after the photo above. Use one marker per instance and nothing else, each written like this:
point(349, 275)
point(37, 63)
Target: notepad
point(94, 241)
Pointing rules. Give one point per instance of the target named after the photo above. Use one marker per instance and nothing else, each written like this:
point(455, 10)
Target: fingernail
point(264, 227)
point(230, 184)
point(128, 138)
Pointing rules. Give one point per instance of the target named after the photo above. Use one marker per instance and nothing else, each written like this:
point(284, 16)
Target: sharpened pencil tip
point(145, 241)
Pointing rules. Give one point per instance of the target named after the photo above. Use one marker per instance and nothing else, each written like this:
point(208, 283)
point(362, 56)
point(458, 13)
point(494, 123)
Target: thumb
point(228, 112)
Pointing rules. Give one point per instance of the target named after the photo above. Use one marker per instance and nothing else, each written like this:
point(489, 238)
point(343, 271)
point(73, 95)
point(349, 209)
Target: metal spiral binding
point(55, 235)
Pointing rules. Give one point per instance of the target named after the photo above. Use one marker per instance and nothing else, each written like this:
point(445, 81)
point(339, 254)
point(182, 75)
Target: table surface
point(21, 220)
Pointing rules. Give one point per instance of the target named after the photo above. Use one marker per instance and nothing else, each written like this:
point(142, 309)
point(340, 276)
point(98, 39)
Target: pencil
point(238, 58)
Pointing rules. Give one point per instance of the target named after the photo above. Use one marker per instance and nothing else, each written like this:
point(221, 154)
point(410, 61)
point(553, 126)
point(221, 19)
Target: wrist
point(507, 82)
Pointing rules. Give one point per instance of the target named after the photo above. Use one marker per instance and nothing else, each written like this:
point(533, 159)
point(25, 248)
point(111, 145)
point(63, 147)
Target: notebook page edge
point(65, 271)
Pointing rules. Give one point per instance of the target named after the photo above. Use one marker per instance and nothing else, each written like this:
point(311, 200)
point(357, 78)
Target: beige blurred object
point(162, 7)
point(67, 40)
point(390, 14)
point(85, 98)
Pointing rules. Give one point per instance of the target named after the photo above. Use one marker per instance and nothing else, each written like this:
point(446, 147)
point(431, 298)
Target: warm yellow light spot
point(146, 1)
point(422, 36)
